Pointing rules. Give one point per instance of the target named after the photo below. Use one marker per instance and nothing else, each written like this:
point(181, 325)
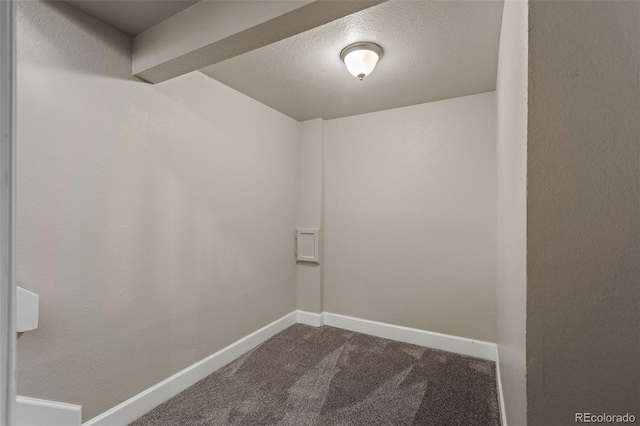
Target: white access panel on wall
point(307, 245)
point(27, 306)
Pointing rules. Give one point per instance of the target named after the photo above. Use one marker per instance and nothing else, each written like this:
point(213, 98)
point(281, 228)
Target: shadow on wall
point(60, 49)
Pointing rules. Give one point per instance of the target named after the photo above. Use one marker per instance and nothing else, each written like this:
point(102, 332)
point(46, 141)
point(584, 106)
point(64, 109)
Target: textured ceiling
point(131, 16)
point(432, 50)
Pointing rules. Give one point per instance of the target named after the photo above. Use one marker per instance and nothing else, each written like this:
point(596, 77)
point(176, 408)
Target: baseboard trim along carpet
point(145, 401)
point(39, 412)
point(445, 342)
point(310, 318)
point(149, 399)
point(503, 413)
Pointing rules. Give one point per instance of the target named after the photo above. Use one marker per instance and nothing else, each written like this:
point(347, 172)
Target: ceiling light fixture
point(361, 58)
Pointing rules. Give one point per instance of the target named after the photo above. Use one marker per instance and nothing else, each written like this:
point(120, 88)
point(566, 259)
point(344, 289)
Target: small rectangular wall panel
point(307, 245)
point(27, 305)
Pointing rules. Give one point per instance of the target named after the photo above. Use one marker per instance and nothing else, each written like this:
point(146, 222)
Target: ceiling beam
point(212, 31)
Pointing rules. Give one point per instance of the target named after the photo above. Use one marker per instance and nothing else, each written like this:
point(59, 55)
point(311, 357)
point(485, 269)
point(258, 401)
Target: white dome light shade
point(361, 58)
point(360, 63)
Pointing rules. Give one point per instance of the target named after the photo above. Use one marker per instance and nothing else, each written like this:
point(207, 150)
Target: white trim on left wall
point(39, 412)
point(147, 400)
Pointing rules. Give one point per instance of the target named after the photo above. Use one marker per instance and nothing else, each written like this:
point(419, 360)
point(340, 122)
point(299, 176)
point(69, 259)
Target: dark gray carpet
point(329, 376)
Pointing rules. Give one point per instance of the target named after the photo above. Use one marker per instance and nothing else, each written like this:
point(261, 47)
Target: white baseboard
point(38, 412)
point(445, 342)
point(147, 400)
point(309, 318)
point(503, 413)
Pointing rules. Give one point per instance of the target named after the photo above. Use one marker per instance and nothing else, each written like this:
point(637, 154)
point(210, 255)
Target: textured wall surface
point(309, 211)
point(583, 297)
point(410, 216)
point(512, 208)
point(155, 222)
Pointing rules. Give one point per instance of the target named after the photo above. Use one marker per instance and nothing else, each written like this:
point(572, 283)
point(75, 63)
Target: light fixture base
point(362, 46)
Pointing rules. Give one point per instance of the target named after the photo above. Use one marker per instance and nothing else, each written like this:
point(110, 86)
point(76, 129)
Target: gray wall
point(512, 204)
point(155, 222)
point(309, 211)
point(583, 305)
point(410, 216)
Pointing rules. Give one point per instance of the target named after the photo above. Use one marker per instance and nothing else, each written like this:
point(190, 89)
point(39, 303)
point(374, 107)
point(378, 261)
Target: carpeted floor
point(328, 376)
